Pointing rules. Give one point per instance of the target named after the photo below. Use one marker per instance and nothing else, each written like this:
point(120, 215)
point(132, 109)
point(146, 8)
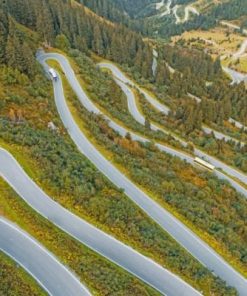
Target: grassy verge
point(15, 281)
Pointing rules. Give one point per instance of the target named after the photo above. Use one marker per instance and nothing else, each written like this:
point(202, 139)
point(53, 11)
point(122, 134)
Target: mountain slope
point(27, 109)
point(82, 29)
point(168, 17)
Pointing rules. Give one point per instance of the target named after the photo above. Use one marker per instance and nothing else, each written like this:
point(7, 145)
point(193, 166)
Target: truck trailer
point(53, 74)
point(204, 163)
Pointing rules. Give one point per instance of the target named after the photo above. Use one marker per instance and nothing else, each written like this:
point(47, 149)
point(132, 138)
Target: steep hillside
point(169, 17)
point(81, 29)
point(184, 77)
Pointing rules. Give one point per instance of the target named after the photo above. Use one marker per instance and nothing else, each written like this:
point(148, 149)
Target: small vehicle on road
point(53, 74)
point(204, 163)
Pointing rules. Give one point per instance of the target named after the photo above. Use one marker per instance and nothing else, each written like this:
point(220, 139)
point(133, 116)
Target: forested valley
point(141, 15)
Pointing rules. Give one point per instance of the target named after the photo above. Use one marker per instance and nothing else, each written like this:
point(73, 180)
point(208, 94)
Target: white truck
point(204, 163)
point(53, 74)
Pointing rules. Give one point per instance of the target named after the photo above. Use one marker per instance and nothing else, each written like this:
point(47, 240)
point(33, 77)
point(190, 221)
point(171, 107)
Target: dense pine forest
point(221, 100)
point(60, 22)
point(136, 15)
point(78, 28)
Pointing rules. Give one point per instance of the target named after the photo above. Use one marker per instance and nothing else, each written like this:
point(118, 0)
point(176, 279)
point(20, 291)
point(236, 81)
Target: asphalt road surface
point(104, 244)
point(118, 74)
point(236, 77)
point(169, 223)
point(88, 104)
point(54, 277)
point(123, 82)
point(221, 136)
point(237, 124)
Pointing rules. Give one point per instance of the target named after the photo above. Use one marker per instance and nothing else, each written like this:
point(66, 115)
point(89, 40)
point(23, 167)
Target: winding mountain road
point(167, 10)
point(159, 5)
point(124, 83)
point(236, 77)
point(242, 50)
point(104, 244)
point(54, 277)
point(89, 105)
point(221, 136)
point(233, 26)
point(155, 62)
point(119, 74)
point(168, 222)
point(188, 9)
point(237, 124)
